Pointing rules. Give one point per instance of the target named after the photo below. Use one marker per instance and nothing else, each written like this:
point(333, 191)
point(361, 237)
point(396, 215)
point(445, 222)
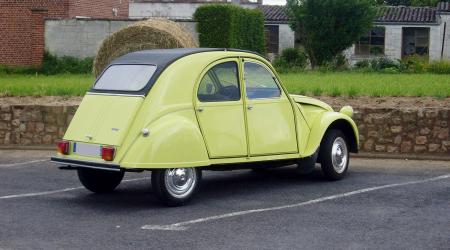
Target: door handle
point(249, 107)
point(200, 110)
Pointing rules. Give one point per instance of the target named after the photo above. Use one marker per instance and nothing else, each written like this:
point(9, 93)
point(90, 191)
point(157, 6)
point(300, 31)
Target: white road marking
point(185, 224)
point(56, 191)
point(8, 165)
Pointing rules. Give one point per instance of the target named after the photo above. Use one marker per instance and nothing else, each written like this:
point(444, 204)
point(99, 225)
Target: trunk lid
point(103, 119)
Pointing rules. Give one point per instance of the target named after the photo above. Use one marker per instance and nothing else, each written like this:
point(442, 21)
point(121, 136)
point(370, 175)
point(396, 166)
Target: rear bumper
point(70, 163)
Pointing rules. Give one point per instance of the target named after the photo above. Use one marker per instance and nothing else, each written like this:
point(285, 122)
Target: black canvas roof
point(161, 58)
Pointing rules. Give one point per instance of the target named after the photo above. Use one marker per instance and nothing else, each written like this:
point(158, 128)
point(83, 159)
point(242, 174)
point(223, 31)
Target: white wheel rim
point(180, 182)
point(339, 155)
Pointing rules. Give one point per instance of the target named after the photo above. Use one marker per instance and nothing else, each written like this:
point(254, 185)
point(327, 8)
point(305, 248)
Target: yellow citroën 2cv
point(177, 112)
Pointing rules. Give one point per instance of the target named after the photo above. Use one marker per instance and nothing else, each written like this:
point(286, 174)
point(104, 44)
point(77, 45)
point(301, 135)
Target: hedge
point(230, 26)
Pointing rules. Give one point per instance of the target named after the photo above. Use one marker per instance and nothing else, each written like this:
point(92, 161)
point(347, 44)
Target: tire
point(176, 186)
point(306, 165)
point(334, 155)
point(100, 181)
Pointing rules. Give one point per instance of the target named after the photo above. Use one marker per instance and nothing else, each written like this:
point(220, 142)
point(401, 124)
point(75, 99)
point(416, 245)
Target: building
point(398, 31)
point(77, 27)
point(278, 33)
point(402, 31)
point(22, 24)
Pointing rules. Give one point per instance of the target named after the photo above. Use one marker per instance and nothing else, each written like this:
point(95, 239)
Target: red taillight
point(63, 147)
point(108, 153)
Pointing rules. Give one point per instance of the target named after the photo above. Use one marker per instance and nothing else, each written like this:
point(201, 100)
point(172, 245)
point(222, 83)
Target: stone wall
point(423, 131)
point(26, 125)
point(405, 131)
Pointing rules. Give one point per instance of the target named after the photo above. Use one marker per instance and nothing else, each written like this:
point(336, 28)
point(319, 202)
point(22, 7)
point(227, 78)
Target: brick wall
point(21, 29)
point(22, 24)
point(98, 8)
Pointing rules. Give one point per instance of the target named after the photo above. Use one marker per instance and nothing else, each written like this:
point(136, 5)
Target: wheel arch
point(174, 140)
point(328, 121)
point(349, 132)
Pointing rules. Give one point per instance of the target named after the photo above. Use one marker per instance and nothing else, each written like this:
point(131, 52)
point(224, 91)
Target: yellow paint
point(181, 136)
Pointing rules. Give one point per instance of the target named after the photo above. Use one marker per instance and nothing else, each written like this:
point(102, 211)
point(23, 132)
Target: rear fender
point(332, 120)
point(174, 140)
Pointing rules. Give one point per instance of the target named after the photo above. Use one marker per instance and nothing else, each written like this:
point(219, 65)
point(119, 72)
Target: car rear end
point(102, 121)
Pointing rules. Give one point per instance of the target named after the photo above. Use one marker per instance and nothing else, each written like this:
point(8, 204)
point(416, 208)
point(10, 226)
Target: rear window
point(125, 77)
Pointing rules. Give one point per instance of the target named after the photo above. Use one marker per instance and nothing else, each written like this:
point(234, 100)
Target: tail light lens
point(108, 153)
point(63, 147)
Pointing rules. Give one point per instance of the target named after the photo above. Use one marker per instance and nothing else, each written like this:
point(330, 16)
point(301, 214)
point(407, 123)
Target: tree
point(328, 27)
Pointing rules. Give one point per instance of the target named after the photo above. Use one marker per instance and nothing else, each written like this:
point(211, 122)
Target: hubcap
point(339, 155)
point(180, 181)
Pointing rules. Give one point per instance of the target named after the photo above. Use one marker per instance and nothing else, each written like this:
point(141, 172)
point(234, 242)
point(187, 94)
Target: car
point(176, 112)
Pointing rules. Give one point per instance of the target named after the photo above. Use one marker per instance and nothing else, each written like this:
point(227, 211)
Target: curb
point(424, 157)
point(363, 155)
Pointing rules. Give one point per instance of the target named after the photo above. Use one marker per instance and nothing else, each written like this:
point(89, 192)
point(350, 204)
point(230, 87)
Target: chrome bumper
point(74, 164)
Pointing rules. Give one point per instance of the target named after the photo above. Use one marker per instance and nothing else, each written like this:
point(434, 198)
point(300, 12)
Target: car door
point(219, 110)
point(270, 117)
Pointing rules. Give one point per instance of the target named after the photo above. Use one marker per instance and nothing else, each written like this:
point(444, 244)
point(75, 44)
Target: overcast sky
point(274, 2)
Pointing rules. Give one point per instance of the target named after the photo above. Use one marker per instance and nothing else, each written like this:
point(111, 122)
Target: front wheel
point(334, 155)
point(176, 186)
point(100, 181)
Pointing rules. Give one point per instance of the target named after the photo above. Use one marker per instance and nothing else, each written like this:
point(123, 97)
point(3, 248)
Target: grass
point(54, 85)
point(354, 84)
point(308, 83)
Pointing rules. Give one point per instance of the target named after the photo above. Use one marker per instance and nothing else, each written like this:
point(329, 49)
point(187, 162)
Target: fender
point(328, 120)
point(174, 140)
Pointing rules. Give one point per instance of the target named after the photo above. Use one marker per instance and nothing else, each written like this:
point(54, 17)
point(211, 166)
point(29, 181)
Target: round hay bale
point(149, 34)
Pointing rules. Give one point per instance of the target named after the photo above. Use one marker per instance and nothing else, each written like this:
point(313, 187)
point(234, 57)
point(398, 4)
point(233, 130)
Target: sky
point(274, 2)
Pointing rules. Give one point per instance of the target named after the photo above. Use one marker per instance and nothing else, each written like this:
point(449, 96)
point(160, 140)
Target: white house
point(402, 31)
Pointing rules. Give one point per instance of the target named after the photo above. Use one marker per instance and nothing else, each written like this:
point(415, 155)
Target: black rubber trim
point(85, 164)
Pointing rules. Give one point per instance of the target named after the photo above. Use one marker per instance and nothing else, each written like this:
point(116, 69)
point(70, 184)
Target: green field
point(309, 83)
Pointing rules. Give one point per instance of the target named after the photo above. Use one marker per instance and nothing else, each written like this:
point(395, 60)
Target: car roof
point(161, 58)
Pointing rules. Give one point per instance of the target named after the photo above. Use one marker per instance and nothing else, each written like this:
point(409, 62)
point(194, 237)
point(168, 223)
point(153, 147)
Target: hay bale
point(149, 34)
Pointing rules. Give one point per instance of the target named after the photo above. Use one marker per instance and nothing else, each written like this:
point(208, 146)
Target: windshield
point(125, 77)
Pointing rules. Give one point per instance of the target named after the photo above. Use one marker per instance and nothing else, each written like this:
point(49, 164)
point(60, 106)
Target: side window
point(259, 82)
point(220, 83)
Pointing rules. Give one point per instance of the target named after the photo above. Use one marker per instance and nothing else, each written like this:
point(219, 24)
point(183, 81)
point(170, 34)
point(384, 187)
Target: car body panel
point(103, 119)
point(180, 136)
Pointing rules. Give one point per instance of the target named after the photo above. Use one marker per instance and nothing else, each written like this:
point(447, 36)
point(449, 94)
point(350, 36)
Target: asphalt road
point(382, 204)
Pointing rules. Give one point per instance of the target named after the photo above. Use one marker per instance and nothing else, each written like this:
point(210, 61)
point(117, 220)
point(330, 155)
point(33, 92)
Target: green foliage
point(52, 65)
point(382, 63)
point(439, 67)
point(363, 64)
point(230, 26)
point(328, 27)
point(291, 60)
point(414, 64)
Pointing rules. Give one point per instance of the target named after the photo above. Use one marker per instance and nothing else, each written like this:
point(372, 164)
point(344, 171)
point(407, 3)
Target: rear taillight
point(108, 153)
point(63, 147)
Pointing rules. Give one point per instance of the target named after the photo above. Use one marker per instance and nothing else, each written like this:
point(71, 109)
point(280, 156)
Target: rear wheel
point(176, 186)
point(100, 181)
point(334, 155)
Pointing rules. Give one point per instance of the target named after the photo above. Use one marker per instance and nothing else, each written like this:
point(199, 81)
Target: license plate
point(86, 149)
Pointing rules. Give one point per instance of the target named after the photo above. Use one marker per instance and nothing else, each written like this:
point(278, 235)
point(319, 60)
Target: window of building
point(372, 44)
point(220, 83)
point(416, 41)
point(271, 33)
point(259, 82)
